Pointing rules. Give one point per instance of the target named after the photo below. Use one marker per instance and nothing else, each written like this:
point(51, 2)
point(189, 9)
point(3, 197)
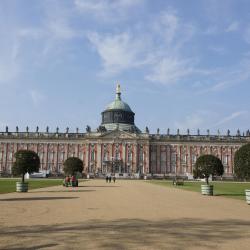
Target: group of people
point(109, 178)
point(70, 181)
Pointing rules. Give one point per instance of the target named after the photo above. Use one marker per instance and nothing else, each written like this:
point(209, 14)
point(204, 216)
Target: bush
point(25, 161)
point(72, 165)
point(242, 162)
point(207, 165)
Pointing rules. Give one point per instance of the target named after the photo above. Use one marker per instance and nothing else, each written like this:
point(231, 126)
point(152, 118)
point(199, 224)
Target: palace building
point(119, 146)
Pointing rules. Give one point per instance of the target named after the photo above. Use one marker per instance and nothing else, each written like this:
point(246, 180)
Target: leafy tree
point(242, 162)
point(207, 165)
point(25, 161)
point(72, 165)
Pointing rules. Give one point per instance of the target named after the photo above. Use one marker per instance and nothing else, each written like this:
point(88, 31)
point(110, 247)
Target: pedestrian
point(107, 178)
point(110, 179)
point(114, 179)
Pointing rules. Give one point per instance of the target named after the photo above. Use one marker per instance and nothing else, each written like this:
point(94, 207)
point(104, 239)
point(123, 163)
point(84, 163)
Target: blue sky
point(181, 64)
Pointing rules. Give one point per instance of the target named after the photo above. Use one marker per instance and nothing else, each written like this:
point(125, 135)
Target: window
point(183, 159)
point(81, 155)
point(194, 158)
point(40, 155)
point(61, 156)
point(51, 156)
point(141, 155)
point(10, 156)
point(92, 155)
point(225, 160)
point(173, 158)
point(105, 156)
point(117, 155)
point(129, 156)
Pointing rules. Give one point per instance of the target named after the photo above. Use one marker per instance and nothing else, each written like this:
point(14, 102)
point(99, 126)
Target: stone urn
point(247, 196)
point(207, 189)
point(22, 186)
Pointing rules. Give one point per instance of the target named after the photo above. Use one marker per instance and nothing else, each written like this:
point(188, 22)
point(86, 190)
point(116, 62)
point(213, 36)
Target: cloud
point(170, 70)
point(232, 27)
point(247, 34)
point(118, 52)
point(36, 97)
point(228, 76)
point(218, 50)
point(191, 121)
point(231, 117)
point(107, 10)
point(157, 49)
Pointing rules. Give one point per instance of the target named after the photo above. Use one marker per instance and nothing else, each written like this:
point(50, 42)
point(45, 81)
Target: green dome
point(119, 104)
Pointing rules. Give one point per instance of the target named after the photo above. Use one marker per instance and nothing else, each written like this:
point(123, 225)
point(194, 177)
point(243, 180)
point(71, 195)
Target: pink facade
point(121, 152)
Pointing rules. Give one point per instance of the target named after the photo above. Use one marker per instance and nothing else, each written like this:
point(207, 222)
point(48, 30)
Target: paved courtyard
point(124, 215)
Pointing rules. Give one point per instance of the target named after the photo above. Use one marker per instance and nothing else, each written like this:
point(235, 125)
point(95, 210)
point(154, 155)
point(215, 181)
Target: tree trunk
point(207, 180)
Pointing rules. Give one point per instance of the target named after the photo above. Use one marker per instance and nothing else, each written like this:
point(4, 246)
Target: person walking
point(110, 179)
point(107, 178)
point(114, 179)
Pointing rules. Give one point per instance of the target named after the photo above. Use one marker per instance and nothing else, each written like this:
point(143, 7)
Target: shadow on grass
point(38, 198)
point(242, 195)
point(102, 186)
point(131, 234)
point(65, 191)
point(32, 248)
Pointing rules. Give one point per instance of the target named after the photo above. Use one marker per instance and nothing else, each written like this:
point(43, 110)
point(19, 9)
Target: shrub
point(242, 162)
point(72, 165)
point(25, 161)
point(207, 165)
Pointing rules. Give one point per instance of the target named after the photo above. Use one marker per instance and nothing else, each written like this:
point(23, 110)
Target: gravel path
point(124, 215)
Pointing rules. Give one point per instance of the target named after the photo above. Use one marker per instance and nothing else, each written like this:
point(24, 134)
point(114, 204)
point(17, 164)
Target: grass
point(234, 190)
point(9, 185)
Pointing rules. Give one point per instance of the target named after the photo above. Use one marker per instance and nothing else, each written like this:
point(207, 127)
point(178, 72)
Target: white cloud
point(247, 34)
point(232, 27)
point(192, 121)
point(212, 30)
point(107, 10)
point(158, 50)
point(36, 97)
point(231, 117)
point(226, 77)
point(118, 52)
point(218, 50)
point(170, 70)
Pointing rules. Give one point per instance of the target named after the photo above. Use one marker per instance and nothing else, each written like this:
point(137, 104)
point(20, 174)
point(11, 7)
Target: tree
point(207, 165)
point(242, 162)
point(25, 161)
point(72, 165)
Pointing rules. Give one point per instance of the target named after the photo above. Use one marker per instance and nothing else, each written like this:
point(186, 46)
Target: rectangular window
point(129, 156)
point(10, 156)
point(81, 155)
point(173, 158)
point(194, 158)
point(183, 159)
point(93, 155)
point(225, 160)
point(61, 156)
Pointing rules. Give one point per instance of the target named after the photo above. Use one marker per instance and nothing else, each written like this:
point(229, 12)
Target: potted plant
point(26, 161)
point(242, 166)
point(206, 166)
point(72, 166)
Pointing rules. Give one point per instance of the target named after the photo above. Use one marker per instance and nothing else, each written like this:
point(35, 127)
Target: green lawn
point(225, 189)
point(9, 185)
